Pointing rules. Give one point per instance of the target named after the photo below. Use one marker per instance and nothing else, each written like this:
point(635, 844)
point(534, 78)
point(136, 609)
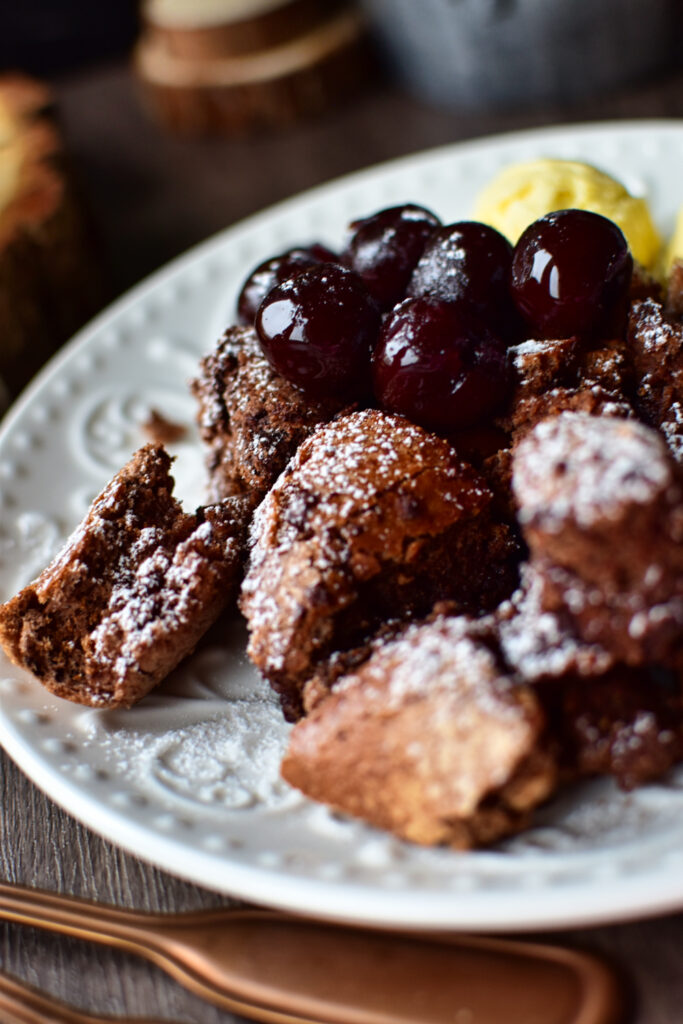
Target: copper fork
point(288, 970)
point(23, 1004)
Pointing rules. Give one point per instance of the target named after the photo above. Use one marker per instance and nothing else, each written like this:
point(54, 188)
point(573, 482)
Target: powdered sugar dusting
point(139, 615)
point(531, 347)
point(349, 501)
point(223, 752)
point(445, 656)
point(536, 644)
point(348, 461)
point(655, 335)
point(589, 469)
point(342, 468)
point(672, 429)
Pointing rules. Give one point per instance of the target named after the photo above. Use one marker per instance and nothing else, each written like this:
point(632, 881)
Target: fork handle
point(23, 1004)
point(283, 970)
point(67, 915)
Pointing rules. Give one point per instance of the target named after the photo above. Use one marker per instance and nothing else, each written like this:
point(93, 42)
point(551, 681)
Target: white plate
point(189, 778)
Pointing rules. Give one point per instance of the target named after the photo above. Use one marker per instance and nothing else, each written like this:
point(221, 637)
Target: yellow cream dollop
point(675, 248)
point(522, 193)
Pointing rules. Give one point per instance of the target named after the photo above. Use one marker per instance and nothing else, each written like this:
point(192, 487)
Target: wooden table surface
point(153, 196)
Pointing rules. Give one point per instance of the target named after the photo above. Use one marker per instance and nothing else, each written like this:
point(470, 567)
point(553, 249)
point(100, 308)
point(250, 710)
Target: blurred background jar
point(481, 54)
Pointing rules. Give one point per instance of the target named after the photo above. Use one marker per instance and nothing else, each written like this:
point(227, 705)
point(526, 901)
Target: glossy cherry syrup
point(384, 249)
point(318, 330)
point(439, 366)
point(273, 272)
point(571, 272)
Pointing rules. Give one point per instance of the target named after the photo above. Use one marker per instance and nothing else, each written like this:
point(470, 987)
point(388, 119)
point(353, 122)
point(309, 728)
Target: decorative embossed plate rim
point(188, 779)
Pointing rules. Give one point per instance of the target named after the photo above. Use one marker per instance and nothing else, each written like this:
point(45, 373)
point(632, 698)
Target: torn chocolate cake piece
point(129, 596)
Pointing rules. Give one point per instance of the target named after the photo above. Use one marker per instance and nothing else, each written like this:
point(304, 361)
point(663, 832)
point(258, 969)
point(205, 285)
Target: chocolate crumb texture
point(161, 430)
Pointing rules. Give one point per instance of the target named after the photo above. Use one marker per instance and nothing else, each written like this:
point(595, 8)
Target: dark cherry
point(469, 262)
point(439, 366)
point(384, 249)
point(274, 271)
point(571, 272)
point(318, 330)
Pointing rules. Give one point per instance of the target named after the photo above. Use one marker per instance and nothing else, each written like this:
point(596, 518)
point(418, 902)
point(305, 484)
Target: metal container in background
point(481, 54)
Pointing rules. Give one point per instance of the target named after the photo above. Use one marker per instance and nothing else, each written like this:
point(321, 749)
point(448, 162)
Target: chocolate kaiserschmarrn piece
point(601, 508)
point(131, 593)
point(374, 519)
point(603, 717)
point(627, 723)
point(429, 739)
point(251, 419)
point(598, 624)
point(565, 375)
point(656, 344)
point(552, 376)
